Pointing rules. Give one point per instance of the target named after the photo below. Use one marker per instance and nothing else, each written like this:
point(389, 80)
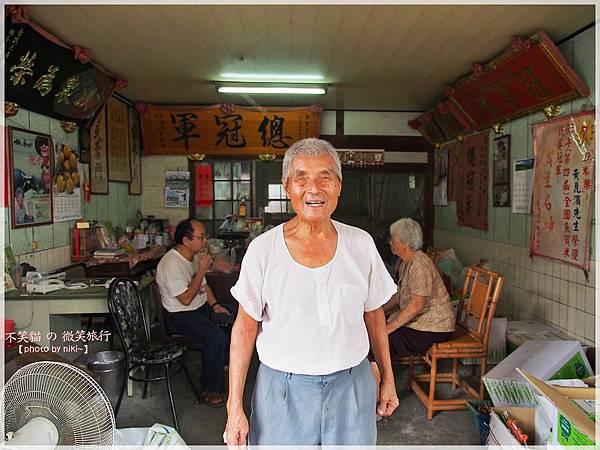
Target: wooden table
point(120, 267)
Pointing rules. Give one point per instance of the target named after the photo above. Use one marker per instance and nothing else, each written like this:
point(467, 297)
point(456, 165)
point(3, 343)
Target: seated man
point(189, 301)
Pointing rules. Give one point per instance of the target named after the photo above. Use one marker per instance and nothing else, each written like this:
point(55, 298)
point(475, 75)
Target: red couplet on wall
point(204, 190)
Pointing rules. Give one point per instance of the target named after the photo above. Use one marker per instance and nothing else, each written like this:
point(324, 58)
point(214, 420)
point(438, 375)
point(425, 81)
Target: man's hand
point(236, 430)
point(388, 399)
point(219, 309)
point(204, 262)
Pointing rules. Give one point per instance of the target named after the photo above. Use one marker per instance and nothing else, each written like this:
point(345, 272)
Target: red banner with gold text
point(225, 129)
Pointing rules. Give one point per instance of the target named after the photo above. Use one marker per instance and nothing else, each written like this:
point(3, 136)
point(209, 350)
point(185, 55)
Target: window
point(277, 200)
point(232, 182)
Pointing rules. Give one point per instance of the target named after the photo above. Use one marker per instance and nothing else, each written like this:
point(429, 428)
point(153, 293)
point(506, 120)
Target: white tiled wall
point(47, 260)
point(535, 288)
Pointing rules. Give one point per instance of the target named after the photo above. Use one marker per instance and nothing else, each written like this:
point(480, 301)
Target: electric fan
point(52, 403)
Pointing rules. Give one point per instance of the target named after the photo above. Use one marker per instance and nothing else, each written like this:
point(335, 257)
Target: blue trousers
point(334, 409)
point(197, 327)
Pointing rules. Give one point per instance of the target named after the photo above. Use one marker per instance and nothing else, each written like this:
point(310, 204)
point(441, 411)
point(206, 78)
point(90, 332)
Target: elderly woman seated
point(421, 311)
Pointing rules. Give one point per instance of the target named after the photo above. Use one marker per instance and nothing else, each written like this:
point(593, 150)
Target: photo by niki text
point(71, 341)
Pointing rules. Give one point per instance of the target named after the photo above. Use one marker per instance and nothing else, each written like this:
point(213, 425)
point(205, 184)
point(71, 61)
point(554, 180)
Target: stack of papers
point(108, 253)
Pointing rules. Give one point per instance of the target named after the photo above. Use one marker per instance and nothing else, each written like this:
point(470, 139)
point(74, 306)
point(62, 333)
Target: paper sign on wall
point(563, 188)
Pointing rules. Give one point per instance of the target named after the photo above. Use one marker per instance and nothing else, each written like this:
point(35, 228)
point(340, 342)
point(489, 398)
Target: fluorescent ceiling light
point(270, 90)
point(271, 76)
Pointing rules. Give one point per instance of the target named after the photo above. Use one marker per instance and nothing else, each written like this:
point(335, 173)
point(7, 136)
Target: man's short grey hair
point(409, 232)
point(312, 147)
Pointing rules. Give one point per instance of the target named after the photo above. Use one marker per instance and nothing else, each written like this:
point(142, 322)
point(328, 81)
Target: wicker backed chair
point(470, 340)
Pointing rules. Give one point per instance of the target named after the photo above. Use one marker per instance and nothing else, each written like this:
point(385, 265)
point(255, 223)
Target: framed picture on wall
point(30, 158)
point(98, 155)
point(501, 171)
point(501, 159)
point(118, 140)
point(135, 153)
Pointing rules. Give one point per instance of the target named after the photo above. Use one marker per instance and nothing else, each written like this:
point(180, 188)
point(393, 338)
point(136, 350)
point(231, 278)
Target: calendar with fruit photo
point(67, 181)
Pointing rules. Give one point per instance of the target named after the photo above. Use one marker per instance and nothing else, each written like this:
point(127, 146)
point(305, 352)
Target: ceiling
point(384, 57)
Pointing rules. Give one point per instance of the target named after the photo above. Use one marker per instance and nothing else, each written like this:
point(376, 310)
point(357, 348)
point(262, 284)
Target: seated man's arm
point(194, 287)
point(214, 303)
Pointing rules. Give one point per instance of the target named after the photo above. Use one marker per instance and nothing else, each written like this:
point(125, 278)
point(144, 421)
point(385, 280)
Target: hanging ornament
point(196, 156)
point(267, 156)
point(69, 127)
point(87, 191)
point(11, 108)
point(499, 128)
point(551, 111)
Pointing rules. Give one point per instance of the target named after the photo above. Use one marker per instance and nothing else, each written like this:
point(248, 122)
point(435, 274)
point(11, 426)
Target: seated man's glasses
point(201, 236)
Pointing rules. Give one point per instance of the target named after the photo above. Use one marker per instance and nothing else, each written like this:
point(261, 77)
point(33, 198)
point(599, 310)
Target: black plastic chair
point(125, 305)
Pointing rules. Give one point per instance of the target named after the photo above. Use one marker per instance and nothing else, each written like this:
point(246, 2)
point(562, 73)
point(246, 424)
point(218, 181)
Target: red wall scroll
point(472, 193)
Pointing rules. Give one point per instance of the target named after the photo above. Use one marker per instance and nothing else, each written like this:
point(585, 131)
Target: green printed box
point(546, 360)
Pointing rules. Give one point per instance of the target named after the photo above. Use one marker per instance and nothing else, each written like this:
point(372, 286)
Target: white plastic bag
point(160, 435)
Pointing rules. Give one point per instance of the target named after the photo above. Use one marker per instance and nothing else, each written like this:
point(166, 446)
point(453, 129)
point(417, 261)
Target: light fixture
point(258, 77)
point(272, 89)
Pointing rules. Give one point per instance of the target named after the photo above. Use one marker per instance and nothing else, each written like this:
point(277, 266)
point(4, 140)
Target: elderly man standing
point(311, 292)
point(189, 301)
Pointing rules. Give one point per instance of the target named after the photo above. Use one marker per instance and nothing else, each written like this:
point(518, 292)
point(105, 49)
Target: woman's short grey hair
point(313, 147)
point(409, 232)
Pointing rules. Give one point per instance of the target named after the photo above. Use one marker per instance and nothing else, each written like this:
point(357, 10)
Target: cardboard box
point(501, 435)
point(547, 360)
point(521, 331)
point(496, 344)
point(545, 413)
point(571, 411)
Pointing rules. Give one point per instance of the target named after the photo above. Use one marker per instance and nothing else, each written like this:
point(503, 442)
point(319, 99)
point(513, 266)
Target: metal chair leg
point(168, 378)
point(123, 387)
point(146, 382)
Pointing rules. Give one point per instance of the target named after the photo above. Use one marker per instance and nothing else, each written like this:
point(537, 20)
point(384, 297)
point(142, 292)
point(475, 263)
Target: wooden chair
point(470, 340)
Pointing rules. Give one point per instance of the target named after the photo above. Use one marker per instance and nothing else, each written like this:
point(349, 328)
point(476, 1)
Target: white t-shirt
point(312, 319)
point(173, 275)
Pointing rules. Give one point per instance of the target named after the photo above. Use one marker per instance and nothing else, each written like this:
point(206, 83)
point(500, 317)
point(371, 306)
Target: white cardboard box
point(546, 360)
point(569, 411)
point(501, 435)
point(496, 344)
point(520, 331)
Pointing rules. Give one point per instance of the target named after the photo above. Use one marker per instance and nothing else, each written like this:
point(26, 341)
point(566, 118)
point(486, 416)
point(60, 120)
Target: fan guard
point(63, 394)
